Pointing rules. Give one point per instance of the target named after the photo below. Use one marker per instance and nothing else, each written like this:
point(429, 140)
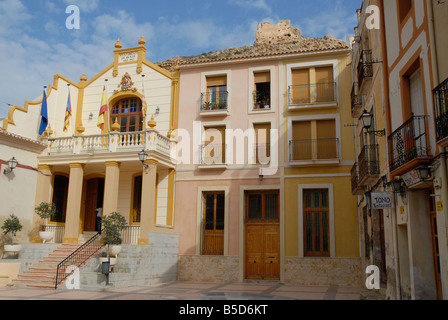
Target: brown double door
point(262, 225)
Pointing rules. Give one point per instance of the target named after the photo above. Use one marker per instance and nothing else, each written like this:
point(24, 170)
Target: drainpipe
point(388, 124)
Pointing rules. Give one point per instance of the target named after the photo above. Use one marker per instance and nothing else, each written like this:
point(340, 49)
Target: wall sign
point(382, 200)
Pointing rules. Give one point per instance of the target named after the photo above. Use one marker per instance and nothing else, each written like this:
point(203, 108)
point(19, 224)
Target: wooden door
point(262, 235)
point(91, 205)
point(435, 246)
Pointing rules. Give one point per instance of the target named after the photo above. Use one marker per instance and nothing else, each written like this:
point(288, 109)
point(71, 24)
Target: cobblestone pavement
point(180, 290)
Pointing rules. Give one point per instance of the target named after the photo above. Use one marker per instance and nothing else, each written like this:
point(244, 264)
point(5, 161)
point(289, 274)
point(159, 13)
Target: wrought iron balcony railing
point(321, 149)
point(262, 153)
point(365, 66)
point(312, 93)
point(368, 166)
point(357, 189)
point(409, 142)
point(212, 101)
point(213, 154)
point(441, 107)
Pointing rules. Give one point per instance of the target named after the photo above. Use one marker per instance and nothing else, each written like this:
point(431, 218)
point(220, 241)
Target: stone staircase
point(43, 273)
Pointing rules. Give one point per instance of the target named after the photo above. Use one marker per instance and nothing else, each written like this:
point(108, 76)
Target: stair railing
point(75, 260)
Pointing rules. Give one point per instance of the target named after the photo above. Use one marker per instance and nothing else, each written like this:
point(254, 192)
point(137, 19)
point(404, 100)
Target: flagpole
point(107, 111)
point(145, 102)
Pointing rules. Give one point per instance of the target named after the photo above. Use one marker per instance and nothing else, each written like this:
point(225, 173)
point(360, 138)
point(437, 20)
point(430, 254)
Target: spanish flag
point(103, 110)
point(68, 114)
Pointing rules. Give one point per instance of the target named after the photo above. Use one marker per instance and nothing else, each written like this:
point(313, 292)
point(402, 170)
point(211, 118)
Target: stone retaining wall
point(208, 268)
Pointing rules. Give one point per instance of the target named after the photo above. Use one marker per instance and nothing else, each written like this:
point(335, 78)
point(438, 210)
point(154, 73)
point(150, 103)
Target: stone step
point(43, 273)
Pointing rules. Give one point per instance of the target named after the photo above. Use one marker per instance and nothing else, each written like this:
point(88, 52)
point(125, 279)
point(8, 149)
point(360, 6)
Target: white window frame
point(250, 151)
point(251, 101)
point(202, 140)
point(307, 65)
point(217, 73)
point(331, 116)
point(200, 211)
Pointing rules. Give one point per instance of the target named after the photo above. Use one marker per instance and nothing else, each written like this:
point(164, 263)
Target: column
point(43, 189)
point(111, 186)
point(148, 209)
point(74, 203)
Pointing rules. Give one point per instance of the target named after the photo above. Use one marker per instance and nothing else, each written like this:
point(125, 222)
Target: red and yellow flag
point(68, 114)
point(103, 110)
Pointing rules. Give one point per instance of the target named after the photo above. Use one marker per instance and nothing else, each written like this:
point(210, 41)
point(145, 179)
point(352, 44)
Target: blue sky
point(35, 43)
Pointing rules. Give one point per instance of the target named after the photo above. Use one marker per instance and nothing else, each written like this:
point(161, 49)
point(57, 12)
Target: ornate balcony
point(117, 142)
point(368, 167)
point(441, 107)
point(409, 143)
point(365, 69)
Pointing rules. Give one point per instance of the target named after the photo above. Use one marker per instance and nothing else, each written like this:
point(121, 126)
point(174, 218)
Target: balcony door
point(128, 114)
point(418, 109)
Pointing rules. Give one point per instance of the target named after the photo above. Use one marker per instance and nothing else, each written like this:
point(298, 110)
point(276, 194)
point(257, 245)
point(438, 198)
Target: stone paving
point(180, 290)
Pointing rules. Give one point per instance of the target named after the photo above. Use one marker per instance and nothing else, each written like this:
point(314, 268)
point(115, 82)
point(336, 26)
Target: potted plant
point(11, 226)
point(113, 224)
point(45, 210)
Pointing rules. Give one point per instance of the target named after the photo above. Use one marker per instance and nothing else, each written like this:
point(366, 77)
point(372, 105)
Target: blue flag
point(43, 114)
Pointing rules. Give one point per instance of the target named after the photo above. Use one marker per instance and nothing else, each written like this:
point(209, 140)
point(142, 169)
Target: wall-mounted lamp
point(12, 164)
point(90, 116)
point(397, 185)
point(366, 119)
point(261, 174)
point(424, 172)
point(142, 155)
point(157, 110)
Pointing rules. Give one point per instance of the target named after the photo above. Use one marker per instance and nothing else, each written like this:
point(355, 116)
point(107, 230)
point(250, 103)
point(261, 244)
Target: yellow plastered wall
point(345, 216)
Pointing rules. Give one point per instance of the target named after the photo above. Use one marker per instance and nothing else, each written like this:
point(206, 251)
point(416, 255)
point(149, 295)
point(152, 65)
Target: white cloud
point(338, 20)
point(12, 14)
point(84, 5)
point(253, 4)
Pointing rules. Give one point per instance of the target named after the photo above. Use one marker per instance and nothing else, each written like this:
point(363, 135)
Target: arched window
point(128, 113)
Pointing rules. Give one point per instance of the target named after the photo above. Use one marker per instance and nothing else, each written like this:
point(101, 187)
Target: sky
point(35, 43)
